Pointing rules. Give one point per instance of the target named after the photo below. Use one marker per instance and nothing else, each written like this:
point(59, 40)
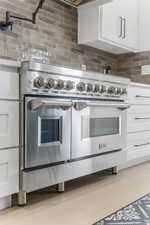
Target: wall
point(57, 30)
point(129, 65)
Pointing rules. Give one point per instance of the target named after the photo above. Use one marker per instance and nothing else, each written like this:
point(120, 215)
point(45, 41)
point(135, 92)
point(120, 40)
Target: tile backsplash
point(129, 65)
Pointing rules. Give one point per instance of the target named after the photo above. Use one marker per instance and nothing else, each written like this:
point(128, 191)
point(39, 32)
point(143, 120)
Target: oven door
point(98, 128)
point(47, 131)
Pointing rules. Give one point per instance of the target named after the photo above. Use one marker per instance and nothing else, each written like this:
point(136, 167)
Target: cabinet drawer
point(9, 170)
point(139, 95)
point(139, 108)
point(138, 145)
point(138, 154)
point(9, 85)
point(138, 122)
point(9, 124)
point(141, 138)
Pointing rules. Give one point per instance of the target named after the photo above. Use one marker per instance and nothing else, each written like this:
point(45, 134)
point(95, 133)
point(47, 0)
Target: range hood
point(76, 3)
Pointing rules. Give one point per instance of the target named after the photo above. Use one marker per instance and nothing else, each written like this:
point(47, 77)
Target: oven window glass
point(50, 130)
point(96, 127)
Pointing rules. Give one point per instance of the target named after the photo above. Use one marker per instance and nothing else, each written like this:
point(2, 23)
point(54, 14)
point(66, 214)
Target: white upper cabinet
point(110, 29)
point(144, 12)
point(113, 27)
point(130, 14)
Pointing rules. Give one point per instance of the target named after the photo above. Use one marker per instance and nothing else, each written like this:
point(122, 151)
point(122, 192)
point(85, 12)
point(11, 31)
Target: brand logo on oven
point(101, 146)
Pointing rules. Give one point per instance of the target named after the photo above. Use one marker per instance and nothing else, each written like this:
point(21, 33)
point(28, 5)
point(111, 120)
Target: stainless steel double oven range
point(73, 124)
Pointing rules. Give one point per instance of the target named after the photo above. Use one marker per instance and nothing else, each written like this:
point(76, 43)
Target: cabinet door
point(9, 172)
point(9, 85)
point(138, 145)
point(120, 23)
point(111, 22)
point(9, 124)
point(130, 24)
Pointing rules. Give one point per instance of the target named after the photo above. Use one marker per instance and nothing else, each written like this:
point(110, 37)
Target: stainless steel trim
point(22, 198)
point(35, 104)
point(46, 177)
point(119, 105)
point(115, 170)
point(61, 187)
point(148, 143)
point(71, 72)
point(76, 94)
point(81, 105)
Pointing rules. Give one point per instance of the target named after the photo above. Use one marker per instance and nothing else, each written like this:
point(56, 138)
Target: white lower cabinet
point(139, 109)
point(139, 94)
point(9, 172)
point(138, 145)
point(9, 131)
point(138, 124)
point(9, 85)
point(9, 124)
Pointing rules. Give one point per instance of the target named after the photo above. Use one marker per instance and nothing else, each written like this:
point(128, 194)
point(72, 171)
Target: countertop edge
point(10, 63)
point(140, 85)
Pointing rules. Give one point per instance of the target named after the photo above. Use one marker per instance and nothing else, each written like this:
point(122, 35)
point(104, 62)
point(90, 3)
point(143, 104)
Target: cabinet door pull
point(124, 28)
point(120, 27)
point(142, 96)
point(140, 145)
point(142, 118)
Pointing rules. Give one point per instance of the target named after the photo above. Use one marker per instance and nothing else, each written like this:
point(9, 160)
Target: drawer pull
point(142, 96)
point(148, 143)
point(142, 118)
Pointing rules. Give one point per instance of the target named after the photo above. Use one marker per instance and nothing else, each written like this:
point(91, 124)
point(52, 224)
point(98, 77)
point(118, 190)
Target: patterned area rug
point(136, 213)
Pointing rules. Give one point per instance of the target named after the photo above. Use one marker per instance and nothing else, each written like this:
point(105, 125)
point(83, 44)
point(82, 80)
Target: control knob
point(38, 82)
point(111, 90)
point(102, 89)
point(124, 91)
point(118, 91)
point(81, 86)
point(89, 87)
point(49, 83)
point(68, 85)
point(96, 88)
point(59, 84)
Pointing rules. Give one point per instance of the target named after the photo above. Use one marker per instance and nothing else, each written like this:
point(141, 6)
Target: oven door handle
point(82, 105)
point(36, 104)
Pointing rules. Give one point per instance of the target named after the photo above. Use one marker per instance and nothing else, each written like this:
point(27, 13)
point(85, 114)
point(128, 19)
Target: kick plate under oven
point(47, 131)
point(98, 128)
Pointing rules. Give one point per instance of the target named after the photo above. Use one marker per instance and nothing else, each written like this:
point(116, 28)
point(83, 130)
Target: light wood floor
point(84, 202)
